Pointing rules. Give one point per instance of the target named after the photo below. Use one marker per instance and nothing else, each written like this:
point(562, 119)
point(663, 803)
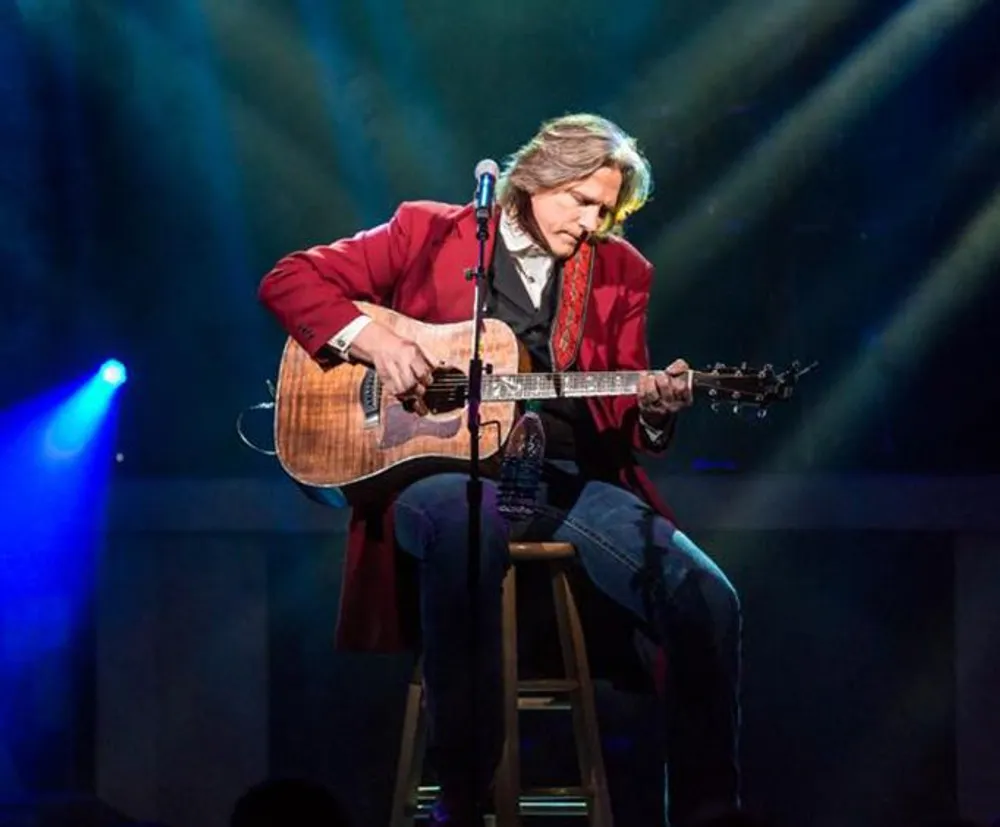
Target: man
point(576, 294)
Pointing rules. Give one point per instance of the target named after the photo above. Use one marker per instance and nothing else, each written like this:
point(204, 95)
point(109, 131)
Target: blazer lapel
point(442, 290)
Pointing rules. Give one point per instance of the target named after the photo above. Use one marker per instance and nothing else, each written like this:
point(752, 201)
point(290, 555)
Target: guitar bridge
point(370, 397)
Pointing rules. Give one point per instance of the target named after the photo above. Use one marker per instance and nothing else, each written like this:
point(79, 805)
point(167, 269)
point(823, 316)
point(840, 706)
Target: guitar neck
point(532, 386)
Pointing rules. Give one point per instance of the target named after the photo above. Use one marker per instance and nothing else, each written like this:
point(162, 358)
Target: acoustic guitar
point(338, 431)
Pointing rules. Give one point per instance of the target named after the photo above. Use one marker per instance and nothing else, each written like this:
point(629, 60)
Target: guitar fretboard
point(516, 387)
point(743, 387)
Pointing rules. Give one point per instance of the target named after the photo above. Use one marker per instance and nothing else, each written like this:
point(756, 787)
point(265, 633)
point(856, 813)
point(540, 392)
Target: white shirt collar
point(519, 243)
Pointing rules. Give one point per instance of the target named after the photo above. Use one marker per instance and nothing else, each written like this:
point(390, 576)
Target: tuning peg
point(715, 407)
point(736, 409)
point(761, 413)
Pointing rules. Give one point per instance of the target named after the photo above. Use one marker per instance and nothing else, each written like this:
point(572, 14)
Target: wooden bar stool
point(570, 691)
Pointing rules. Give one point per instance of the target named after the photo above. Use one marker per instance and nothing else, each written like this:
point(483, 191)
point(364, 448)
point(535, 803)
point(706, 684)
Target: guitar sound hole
point(448, 391)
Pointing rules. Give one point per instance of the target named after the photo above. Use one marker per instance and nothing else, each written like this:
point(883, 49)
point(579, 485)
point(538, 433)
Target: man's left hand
point(664, 393)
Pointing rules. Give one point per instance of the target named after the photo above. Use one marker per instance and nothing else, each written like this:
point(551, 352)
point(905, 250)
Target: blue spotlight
point(75, 422)
point(113, 372)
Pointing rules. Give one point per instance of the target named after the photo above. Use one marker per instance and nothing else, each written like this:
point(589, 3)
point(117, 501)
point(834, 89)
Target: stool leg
point(585, 726)
point(409, 768)
point(507, 781)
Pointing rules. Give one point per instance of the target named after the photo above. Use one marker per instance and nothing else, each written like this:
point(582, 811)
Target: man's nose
point(589, 219)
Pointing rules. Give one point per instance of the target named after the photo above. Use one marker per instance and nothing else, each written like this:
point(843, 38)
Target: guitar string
point(570, 376)
point(582, 378)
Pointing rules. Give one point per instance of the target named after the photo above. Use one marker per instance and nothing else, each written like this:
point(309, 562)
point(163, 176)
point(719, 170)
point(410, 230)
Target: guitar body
point(339, 433)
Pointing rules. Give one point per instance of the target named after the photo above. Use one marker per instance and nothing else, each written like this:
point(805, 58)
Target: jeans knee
point(432, 523)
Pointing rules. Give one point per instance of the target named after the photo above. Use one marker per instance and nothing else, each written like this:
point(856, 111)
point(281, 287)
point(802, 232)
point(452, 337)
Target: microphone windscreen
point(487, 167)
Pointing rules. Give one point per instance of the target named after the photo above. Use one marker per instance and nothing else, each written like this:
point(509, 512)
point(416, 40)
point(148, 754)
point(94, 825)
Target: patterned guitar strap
point(567, 327)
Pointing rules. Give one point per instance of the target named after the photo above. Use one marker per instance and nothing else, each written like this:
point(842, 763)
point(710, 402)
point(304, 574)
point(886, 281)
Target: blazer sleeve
point(631, 352)
point(312, 292)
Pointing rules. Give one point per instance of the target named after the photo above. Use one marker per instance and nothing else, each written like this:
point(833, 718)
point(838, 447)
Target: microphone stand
point(474, 486)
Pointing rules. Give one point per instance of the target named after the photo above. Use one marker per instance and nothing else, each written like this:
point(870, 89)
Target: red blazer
point(416, 264)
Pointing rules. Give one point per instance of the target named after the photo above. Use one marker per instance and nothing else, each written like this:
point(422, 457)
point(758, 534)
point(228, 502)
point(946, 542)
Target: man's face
point(566, 214)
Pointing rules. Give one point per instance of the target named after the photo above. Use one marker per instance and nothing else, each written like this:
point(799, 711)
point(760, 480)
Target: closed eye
point(604, 212)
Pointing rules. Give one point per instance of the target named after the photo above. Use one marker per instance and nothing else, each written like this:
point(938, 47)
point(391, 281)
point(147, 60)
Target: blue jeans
point(637, 558)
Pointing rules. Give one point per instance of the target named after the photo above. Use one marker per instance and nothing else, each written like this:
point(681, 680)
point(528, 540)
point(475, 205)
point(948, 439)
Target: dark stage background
point(870, 674)
point(828, 188)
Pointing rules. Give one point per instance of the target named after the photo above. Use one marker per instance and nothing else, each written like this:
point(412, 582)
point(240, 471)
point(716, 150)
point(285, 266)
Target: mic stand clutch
point(486, 175)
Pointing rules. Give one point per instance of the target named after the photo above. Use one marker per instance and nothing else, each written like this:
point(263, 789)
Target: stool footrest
point(548, 686)
point(533, 801)
point(554, 801)
point(553, 793)
point(540, 703)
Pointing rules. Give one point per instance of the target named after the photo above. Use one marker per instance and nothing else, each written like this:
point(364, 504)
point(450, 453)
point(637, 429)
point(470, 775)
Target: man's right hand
point(402, 366)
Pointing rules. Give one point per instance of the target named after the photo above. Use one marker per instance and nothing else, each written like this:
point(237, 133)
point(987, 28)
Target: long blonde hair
point(569, 148)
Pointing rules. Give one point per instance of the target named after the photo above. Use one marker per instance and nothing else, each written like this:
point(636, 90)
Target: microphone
point(487, 173)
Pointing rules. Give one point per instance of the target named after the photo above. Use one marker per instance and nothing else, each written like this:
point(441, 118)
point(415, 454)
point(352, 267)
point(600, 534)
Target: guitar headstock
point(740, 387)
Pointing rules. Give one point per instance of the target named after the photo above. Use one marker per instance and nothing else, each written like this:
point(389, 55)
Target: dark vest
point(568, 425)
